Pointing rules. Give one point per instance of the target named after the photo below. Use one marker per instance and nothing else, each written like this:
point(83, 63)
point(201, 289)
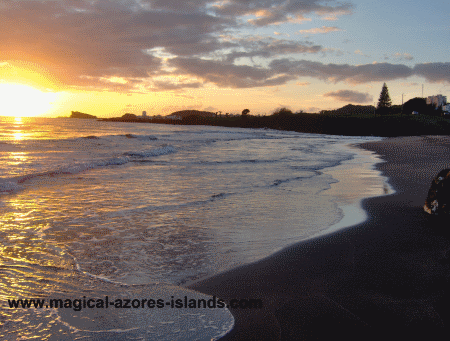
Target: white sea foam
point(13, 184)
point(163, 150)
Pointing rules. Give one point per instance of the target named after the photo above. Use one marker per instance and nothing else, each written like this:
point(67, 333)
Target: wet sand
point(388, 277)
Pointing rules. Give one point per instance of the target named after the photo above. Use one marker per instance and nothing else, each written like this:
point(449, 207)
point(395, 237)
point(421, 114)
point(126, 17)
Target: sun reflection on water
point(18, 129)
point(18, 136)
point(18, 158)
point(27, 259)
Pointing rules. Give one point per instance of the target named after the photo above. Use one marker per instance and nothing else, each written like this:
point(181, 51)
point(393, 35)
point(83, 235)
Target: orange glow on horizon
point(20, 100)
point(26, 73)
point(26, 90)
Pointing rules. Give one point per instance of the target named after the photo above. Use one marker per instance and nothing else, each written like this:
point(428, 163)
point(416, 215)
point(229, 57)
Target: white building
point(438, 100)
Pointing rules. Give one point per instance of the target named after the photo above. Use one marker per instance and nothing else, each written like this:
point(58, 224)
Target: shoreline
point(352, 189)
point(362, 164)
point(348, 125)
point(386, 277)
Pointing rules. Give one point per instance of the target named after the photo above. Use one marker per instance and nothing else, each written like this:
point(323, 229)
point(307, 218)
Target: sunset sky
point(107, 58)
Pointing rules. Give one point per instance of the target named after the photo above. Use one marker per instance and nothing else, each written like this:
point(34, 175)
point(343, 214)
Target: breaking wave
point(12, 185)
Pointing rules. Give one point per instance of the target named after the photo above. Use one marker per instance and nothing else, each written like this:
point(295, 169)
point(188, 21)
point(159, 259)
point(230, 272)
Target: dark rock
point(77, 114)
point(438, 199)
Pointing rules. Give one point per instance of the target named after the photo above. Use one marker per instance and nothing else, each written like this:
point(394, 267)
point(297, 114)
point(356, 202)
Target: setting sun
point(24, 101)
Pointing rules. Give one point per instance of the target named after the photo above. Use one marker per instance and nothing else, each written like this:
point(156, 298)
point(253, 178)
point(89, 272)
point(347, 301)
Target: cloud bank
point(161, 45)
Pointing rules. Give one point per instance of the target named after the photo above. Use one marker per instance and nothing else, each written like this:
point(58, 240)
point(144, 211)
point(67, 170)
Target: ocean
point(134, 211)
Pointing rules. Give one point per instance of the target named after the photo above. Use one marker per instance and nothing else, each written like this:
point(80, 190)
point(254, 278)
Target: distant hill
point(350, 109)
point(186, 113)
point(129, 116)
point(77, 114)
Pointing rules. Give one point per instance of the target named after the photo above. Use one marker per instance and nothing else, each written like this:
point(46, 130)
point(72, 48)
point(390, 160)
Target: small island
point(77, 114)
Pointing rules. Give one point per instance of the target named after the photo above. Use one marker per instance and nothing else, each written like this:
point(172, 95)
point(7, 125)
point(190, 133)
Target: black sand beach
point(387, 278)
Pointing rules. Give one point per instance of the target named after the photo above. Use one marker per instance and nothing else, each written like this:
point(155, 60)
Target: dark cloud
point(350, 96)
point(434, 72)
point(270, 47)
point(366, 73)
point(185, 6)
point(343, 72)
point(72, 44)
point(228, 74)
point(80, 41)
point(126, 45)
point(283, 70)
point(409, 84)
point(168, 86)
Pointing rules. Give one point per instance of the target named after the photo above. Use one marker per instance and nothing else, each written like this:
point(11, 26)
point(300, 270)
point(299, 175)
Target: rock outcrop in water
point(77, 114)
point(438, 199)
